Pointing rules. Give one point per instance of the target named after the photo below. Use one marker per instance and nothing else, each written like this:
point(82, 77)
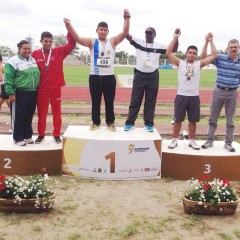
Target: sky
point(24, 18)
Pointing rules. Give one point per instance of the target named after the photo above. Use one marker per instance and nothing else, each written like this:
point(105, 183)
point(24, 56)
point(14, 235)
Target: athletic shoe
point(21, 143)
point(39, 139)
point(128, 127)
point(229, 147)
point(94, 127)
point(111, 127)
point(29, 141)
point(57, 139)
point(207, 145)
point(149, 128)
point(193, 144)
point(173, 144)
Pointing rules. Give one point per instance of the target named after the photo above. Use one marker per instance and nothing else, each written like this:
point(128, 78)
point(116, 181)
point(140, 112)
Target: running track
point(123, 95)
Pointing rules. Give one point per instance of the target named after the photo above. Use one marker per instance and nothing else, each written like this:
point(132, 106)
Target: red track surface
point(123, 95)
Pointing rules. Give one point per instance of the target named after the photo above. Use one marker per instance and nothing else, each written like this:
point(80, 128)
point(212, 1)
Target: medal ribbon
point(48, 59)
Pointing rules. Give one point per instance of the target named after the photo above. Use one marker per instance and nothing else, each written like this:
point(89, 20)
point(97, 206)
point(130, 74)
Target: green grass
point(78, 76)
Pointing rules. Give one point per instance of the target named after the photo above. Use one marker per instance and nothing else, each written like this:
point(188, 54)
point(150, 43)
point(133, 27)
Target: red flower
point(206, 187)
point(2, 186)
point(225, 183)
point(2, 178)
point(205, 177)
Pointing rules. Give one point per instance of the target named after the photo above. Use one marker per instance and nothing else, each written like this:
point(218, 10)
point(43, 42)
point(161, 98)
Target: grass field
point(78, 75)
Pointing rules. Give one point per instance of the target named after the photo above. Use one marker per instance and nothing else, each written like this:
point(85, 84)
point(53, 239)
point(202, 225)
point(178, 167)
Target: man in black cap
point(146, 78)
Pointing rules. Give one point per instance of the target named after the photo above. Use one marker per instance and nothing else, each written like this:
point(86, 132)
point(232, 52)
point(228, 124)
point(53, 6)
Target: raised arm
point(119, 38)
point(129, 37)
point(208, 59)
point(86, 42)
point(175, 60)
point(204, 50)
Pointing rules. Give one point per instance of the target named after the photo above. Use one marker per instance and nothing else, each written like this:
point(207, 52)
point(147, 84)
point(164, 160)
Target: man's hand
point(177, 33)
point(67, 21)
point(126, 14)
point(209, 37)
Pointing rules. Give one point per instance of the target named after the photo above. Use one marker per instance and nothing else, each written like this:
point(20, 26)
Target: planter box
point(221, 208)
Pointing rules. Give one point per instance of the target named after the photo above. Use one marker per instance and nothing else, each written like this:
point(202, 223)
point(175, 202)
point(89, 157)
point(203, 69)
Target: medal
point(188, 78)
point(46, 67)
point(102, 53)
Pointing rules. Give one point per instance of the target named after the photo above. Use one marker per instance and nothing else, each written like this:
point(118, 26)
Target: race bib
point(104, 62)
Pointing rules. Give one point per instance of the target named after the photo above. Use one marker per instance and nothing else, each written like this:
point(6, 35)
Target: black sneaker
point(39, 139)
point(57, 139)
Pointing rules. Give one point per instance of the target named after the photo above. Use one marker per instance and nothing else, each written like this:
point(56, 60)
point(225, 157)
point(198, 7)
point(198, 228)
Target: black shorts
point(3, 94)
point(189, 105)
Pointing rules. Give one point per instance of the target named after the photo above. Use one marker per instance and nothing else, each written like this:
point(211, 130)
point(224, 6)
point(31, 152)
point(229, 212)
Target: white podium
point(103, 154)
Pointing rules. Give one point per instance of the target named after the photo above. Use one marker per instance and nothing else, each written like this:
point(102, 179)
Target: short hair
point(0, 58)
point(192, 47)
point(102, 24)
point(46, 34)
point(233, 41)
point(19, 45)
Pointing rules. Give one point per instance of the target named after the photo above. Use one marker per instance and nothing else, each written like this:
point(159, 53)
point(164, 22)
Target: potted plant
point(210, 197)
point(31, 194)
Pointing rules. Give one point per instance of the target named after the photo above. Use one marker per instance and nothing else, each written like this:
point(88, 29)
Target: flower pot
point(220, 208)
point(31, 205)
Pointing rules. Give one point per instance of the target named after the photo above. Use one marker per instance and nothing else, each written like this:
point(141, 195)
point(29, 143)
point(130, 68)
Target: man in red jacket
point(50, 63)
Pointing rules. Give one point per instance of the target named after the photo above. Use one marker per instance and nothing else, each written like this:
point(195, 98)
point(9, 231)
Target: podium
point(102, 154)
point(28, 160)
point(184, 163)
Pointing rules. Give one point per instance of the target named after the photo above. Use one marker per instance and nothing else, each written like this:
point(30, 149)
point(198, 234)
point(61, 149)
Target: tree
point(4, 50)
point(60, 39)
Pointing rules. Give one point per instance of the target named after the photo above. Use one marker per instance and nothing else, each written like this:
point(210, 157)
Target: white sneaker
point(173, 144)
point(21, 143)
point(193, 144)
point(229, 147)
point(29, 141)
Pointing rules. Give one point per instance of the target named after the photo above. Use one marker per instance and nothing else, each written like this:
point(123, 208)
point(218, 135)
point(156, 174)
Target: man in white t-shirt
point(146, 78)
point(102, 81)
point(187, 99)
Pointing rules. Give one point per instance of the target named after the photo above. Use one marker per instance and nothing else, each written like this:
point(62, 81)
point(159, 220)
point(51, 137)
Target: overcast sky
point(22, 18)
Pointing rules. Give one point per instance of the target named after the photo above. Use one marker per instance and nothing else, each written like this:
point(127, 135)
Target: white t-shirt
point(102, 58)
point(188, 78)
point(148, 54)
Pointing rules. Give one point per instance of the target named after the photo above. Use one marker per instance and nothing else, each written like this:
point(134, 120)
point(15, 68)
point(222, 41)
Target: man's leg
point(55, 101)
point(230, 109)
point(192, 126)
point(176, 129)
point(136, 99)
point(108, 84)
point(216, 107)
point(151, 91)
point(96, 95)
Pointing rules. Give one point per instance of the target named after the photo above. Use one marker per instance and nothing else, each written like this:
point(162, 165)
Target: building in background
point(31, 42)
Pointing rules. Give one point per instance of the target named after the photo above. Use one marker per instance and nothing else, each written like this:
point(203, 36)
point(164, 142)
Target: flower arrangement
point(217, 190)
point(211, 197)
point(21, 189)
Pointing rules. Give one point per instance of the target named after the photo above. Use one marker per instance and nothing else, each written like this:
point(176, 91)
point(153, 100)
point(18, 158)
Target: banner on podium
point(125, 81)
point(111, 159)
